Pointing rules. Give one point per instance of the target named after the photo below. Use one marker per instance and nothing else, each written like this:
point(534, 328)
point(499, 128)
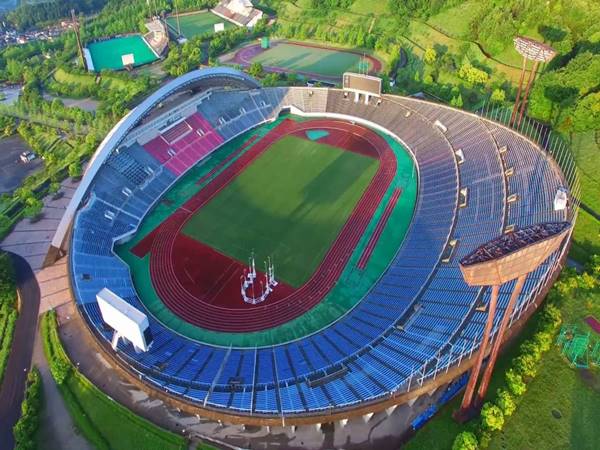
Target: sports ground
point(315, 196)
point(106, 54)
point(196, 24)
point(306, 59)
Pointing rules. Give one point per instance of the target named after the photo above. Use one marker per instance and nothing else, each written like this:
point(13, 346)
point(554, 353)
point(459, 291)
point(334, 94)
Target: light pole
point(535, 51)
point(511, 256)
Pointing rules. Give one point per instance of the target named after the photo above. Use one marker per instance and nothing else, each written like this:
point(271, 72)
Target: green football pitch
point(197, 24)
point(289, 204)
point(352, 285)
point(322, 61)
point(107, 54)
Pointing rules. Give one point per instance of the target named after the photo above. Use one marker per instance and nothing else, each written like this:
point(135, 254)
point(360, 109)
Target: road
point(19, 361)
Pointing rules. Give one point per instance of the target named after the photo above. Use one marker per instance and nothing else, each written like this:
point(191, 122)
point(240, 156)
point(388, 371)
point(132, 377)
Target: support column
point(487, 375)
point(513, 116)
point(532, 75)
point(466, 404)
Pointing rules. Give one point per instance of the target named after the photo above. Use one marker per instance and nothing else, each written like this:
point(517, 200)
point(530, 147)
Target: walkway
point(32, 240)
point(19, 361)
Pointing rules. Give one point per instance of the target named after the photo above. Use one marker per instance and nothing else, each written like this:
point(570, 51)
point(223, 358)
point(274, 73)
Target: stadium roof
point(513, 242)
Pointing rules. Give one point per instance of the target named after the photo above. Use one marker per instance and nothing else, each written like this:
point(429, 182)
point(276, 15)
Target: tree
point(492, 417)
point(498, 96)
point(430, 56)
point(472, 75)
point(506, 402)
point(457, 101)
point(465, 441)
point(256, 70)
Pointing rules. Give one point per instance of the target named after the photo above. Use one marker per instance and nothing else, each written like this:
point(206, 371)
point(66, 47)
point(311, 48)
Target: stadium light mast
point(75, 23)
point(177, 16)
point(509, 257)
point(535, 51)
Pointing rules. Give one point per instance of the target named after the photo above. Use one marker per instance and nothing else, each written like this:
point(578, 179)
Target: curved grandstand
point(417, 320)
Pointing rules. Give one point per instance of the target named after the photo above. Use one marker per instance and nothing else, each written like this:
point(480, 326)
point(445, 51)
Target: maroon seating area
point(185, 144)
point(193, 297)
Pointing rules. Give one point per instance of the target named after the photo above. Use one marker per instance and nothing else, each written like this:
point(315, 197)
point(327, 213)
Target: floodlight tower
point(509, 257)
point(75, 24)
point(534, 51)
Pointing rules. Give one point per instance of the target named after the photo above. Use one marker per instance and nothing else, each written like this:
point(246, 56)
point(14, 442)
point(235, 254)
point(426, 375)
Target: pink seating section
point(176, 132)
point(188, 148)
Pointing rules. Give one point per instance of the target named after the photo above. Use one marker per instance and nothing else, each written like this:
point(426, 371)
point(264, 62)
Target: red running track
point(368, 251)
point(169, 282)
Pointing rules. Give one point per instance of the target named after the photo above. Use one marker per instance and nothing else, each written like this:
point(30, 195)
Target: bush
point(543, 340)
point(484, 439)
point(75, 170)
point(33, 207)
point(531, 348)
point(506, 402)
point(465, 441)
point(550, 318)
point(25, 428)
point(526, 365)
point(515, 383)
point(492, 418)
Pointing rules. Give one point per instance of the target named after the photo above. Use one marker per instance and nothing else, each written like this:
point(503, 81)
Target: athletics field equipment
point(384, 318)
point(115, 53)
point(311, 60)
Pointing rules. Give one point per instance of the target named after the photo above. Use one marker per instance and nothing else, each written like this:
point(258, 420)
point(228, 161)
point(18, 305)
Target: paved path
point(19, 361)
point(57, 430)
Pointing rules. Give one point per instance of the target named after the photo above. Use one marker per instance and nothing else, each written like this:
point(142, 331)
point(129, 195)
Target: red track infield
point(209, 295)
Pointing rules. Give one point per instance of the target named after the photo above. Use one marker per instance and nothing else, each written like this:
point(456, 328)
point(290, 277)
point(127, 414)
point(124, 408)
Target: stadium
point(296, 250)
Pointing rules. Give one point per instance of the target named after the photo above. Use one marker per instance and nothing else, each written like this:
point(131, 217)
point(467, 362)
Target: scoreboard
point(362, 84)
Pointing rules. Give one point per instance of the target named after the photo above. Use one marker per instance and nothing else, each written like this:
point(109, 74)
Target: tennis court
point(196, 24)
point(108, 54)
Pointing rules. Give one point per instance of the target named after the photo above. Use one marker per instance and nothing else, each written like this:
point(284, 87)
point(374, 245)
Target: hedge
point(27, 425)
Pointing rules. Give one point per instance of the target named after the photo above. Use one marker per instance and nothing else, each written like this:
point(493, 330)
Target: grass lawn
point(108, 82)
point(587, 229)
point(197, 24)
point(455, 21)
point(290, 203)
point(107, 54)
point(322, 61)
point(575, 393)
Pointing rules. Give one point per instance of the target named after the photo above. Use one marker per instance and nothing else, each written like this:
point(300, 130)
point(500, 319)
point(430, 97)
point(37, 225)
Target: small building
point(239, 12)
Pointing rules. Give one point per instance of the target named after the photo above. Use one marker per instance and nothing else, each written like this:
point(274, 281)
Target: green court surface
point(107, 54)
point(322, 61)
point(289, 204)
point(197, 24)
point(351, 287)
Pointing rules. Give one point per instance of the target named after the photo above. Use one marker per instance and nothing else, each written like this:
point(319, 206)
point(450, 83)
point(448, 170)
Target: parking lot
point(12, 170)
